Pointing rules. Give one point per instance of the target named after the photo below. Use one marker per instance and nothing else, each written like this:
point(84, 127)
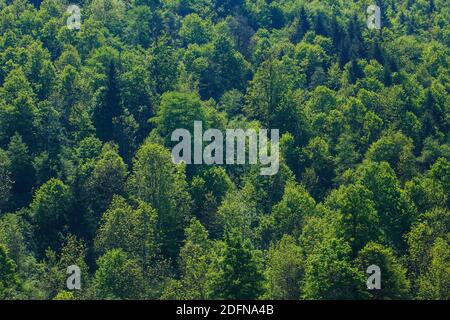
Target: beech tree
point(86, 173)
point(285, 270)
point(395, 283)
point(118, 276)
point(132, 230)
point(329, 274)
point(5, 184)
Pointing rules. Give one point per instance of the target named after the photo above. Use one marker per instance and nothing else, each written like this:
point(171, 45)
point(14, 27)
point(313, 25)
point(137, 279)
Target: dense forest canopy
point(87, 179)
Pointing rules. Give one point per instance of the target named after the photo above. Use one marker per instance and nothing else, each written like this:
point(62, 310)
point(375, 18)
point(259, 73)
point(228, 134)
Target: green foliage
point(107, 179)
point(395, 284)
point(208, 191)
point(435, 283)
point(12, 237)
point(50, 212)
point(177, 111)
point(329, 274)
point(239, 211)
point(160, 183)
point(5, 184)
point(8, 277)
point(108, 107)
point(64, 295)
point(285, 270)
point(22, 170)
point(397, 150)
point(195, 30)
point(240, 275)
point(426, 193)
point(395, 210)
point(18, 108)
point(427, 254)
point(195, 261)
point(53, 281)
point(288, 215)
point(133, 231)
point(118, 276)
point(359, 217)
point(86, 118)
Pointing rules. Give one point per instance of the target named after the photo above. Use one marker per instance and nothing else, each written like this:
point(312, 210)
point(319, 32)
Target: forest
point(87, 178)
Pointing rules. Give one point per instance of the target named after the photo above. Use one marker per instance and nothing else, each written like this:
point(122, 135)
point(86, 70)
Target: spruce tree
point(240, 276)
point(108, 106)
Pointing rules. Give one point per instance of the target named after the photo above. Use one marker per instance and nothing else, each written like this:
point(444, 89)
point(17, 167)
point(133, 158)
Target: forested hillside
point(87, 178)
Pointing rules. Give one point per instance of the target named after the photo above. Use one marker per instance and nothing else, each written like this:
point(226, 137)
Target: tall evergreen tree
point(240, 274)
point(108, 105)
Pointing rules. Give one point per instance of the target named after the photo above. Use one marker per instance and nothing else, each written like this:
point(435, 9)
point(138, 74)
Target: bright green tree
point(160, 183)
point(285, 270)
point(359, 217)
point(425, 241)
point(5, 179)
point(195, 30)
point(195, 260)
point(394, 281)
point(107, 179)
point(288, 215)
point(178, 111)
point(8, 277)
point(132, 230)
point(50, 212)
point(330, 275)
point(118, 277)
